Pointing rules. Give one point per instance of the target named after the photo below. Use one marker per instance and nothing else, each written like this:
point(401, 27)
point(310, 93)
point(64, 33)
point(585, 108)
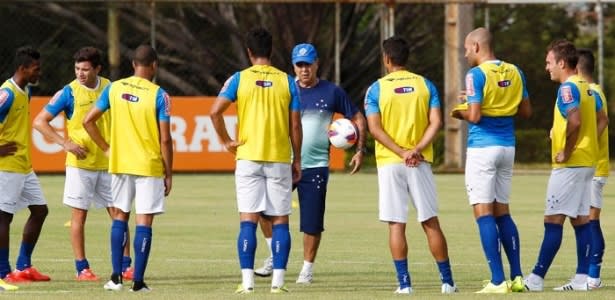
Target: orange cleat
point(128, 274)
point(86, 275)
point(16, 277)
point(28, 274)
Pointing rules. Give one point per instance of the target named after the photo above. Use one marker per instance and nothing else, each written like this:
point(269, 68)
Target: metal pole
point(338, 68)
point(600, 25)
point(487, 20)
point(152, 33)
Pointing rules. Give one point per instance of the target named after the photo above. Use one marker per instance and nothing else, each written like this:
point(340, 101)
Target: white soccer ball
point(342, 133)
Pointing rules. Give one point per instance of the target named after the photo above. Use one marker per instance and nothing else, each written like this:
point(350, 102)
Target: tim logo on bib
point(504, 83)
point(404, 90)
point(264, 83)
point(130, 98)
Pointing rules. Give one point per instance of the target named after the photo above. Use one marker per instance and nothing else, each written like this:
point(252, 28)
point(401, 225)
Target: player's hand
point(231, 146)
point(8, 149)
point(561, 157)
point(356, 162)
point(77, 150)
point(412, 158)
point(296, 171)
point(462, 98)
point(168, 183)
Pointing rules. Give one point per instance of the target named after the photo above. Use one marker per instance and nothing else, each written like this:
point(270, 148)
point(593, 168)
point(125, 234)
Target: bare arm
point(166, 149)
point(89, 123)
point(357, 158)
point(435, 122)
point(603, 121)
point(216, 114)
point(296, 138)
point(525, 109)
point(41, 123)
point(572, 134)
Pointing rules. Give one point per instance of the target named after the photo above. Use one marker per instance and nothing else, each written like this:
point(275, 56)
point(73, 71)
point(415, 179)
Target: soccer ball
point(342, 134)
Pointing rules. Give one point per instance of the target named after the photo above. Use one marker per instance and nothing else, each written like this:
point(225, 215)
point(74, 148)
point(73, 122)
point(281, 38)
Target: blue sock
point(583, 237)
point(118, 241)
point(81, 265)
point(246, 244)
point(491, 246)
point(280, 245)
point(25, 256)
point(5, 266)
point(445, 272)
point(126, 261)
point(142, 245)
point(403, 276)
point(597, 251)
point(550, 245)
point(509, 237)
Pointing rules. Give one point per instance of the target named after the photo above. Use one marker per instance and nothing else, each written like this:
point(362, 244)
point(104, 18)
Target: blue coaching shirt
point(568, 97)
point(318, 105)
point(490, 131)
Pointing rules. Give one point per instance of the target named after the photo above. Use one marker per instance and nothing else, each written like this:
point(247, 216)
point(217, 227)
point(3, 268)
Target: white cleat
point(532, 286)
point(573, 286)
point(449, 289)
point(267, 268)
point(305, 278)
point(406, 290)
point(112, 286)
point(594, 283)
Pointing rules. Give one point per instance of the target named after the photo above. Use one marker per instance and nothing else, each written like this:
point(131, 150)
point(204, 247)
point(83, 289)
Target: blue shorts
point(312, 189)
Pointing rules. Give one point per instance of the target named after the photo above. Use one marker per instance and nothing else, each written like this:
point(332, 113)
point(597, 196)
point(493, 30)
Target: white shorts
point(18, 191)
point(398, 184)
point(83, 188)
point(569, 192)
point(488, 174)
point(597, 186)
point(263, 187)
point(148, 193)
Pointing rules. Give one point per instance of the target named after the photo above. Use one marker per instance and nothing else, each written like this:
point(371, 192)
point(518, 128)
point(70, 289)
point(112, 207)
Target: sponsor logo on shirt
point(55, 97)
point(129, 97)
point(566, 94)
point(590, 92)
point(225, 86)
point(504, 83)
point(264, 83)
point(167, 104)
point(4, 95)
point(403, 90)
point(470, 85)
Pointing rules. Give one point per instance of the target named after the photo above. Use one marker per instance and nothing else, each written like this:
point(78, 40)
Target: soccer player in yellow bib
point(20, 186)
point(585, 69)
point(403, 115)
point(495, 92)
point(87, 181)
point(578, 120)
point(140, 153)
point(269, 132)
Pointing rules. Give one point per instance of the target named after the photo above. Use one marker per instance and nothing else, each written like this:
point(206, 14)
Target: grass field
point(194, 253)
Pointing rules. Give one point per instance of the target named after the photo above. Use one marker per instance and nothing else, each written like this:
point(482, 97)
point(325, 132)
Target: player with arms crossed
point(320, 99)
point(585, 69)
point(403, 114)
point(578, 120)
point(87, 181)
point(495, 93)
point(140, 153)
point(269, 132)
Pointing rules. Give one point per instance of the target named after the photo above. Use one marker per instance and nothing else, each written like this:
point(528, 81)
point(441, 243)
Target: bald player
point(495, 92)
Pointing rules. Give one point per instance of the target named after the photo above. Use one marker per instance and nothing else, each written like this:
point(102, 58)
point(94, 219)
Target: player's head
point(395, 52)
point(145, 61)
point(27, 64)
point(305, 64)
point(478, 45)
point(87, 65)
point(561, 60)
point(585, 65)
point(259, 43)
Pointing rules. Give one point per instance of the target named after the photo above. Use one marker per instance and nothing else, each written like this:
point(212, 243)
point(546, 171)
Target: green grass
point(194, 254)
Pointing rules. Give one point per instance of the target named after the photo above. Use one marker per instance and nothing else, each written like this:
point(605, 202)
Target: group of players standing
point(282, 144)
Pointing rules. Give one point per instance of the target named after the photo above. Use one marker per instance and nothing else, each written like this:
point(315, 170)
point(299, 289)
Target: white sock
point(307, 266)
point(277, 279)
point(580, 278)
point(268, 240)
point(247, 278)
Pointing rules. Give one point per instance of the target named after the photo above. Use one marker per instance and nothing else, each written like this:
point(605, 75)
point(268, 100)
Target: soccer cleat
point(241, 290)
point(532, 286)
point(16, 278)
point(7, 287)
point(86, 275)
point(517, 285)
point(25, 275)
point(594, 283)
point(406, 290)
point(112, 286)
point(491, 288)
point(140, 287)
point(572, 286)
point(305, 278)
point(267, 268)
point(449, 289)
point(279, 290)
point(128, 274)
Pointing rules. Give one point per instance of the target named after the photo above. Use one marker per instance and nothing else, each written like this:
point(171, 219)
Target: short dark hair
point(397, 50)
point(145, 55)
point(586, 61)
point(259, 41)
point(566, 51)
point(25, 56)
point(90, 54)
